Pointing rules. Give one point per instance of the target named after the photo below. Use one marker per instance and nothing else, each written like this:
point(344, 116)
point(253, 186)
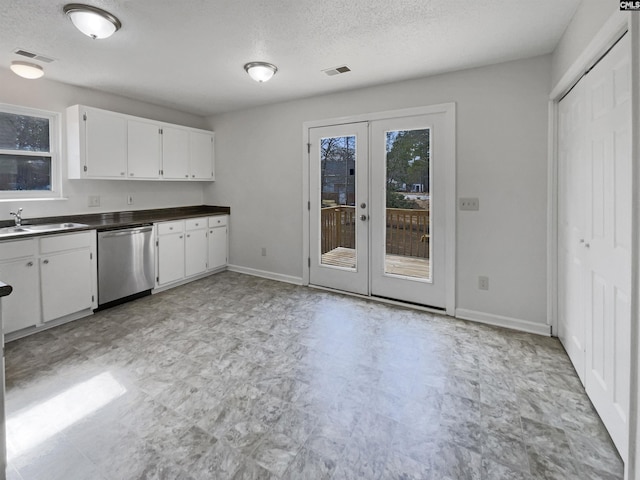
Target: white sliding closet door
point(595, 235)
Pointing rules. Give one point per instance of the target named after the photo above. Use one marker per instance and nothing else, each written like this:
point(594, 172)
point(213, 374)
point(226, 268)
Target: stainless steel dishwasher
point(125, 264)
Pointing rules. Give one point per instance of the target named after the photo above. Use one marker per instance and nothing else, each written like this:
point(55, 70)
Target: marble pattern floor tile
point(238, 377)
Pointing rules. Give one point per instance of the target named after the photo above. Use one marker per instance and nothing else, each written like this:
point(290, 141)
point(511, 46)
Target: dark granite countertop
point(110, 220)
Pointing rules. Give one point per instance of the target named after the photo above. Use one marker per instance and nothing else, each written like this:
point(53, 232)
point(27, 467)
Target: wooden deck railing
point(407, 230)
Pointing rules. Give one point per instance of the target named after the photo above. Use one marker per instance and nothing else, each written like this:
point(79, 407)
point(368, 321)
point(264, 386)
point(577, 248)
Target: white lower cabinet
point(195, 247)
point(191, 247)
point(66, 286)
point(52, 277)
point(218, 242)
point(170, 248)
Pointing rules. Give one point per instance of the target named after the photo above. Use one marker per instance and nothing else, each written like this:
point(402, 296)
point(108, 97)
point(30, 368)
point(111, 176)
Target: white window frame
point(54, 152)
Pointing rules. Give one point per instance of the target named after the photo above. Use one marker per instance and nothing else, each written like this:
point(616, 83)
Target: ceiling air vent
point(34, 56)
point(337, 70)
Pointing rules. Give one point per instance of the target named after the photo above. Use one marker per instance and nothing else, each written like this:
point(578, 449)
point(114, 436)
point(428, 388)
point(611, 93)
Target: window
point(28, 153)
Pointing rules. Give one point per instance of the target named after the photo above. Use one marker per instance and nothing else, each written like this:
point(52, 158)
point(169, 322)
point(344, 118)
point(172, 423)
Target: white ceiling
point(189, 54)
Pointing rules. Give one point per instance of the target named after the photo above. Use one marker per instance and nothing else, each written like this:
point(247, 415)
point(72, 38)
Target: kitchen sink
point(49, 227)
point(12, 230)
point(53, 226)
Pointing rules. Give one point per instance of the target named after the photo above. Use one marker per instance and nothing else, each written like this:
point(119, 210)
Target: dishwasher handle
point(132, 231)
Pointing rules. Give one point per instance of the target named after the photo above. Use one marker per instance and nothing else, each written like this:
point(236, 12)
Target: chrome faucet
point(17, 217)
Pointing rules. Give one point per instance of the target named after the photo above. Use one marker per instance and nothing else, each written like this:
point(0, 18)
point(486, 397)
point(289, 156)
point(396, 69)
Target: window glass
point(27, 162)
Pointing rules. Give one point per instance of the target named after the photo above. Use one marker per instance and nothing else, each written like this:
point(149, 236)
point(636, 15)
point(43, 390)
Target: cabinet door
point(170, 258)
point(201, 155)
point(106, 144)
point(21, 309)
point(175, 153)
point(217, 247)
point(144, 149)
point(195, 252)
point(66, 283)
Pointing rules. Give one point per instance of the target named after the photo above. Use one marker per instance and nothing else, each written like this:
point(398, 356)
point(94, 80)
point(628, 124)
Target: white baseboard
point(264, 274)
point(506, 322)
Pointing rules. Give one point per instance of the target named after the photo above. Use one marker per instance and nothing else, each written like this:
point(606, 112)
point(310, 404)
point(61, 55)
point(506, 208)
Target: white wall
point(586, 22)
point(54, 96)
point(502, 150)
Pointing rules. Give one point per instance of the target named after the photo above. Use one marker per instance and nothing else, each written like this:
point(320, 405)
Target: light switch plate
point(469, 204)
point(94, 200)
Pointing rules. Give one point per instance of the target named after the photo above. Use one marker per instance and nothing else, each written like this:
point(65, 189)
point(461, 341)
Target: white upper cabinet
point(201, 155)
point(175, 153)
point(109, 145)
point(144, 149)
point(96, 143)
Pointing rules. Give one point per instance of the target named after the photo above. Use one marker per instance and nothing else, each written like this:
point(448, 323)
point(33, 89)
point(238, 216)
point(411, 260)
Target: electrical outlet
point(469, 204)
point(94, 200)
point(129, 199)
point(264, 251)
point(483, 283)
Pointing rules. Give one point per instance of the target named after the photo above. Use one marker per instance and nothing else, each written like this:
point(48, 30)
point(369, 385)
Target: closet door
point(572, 205)
point(608, 240)
point(594, 235)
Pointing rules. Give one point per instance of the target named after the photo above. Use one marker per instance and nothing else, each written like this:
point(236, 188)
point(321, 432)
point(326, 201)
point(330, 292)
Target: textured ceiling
point(189, 54)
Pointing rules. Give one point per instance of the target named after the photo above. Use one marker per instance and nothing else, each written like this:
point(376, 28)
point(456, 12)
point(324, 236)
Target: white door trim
point(449, 109)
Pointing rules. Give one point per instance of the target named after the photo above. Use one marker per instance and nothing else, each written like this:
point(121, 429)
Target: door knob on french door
point(363, 205)
point(363, 217)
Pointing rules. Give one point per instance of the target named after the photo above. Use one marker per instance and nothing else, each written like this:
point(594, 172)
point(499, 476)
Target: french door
point(377, 207)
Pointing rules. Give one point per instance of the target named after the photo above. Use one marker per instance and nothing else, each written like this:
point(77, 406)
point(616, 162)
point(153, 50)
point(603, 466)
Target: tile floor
point(236, 377)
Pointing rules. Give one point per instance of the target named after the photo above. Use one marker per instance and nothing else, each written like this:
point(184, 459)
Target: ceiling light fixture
point(261, 71)
point(92, 21)
point(26, 69)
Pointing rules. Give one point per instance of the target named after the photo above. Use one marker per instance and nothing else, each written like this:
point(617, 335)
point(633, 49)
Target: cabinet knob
point(29, 264)
point(193, 176)
point(170, 228)
point(188, 236)
point(45, 261)
point(131, 174)
point(186, 176)
point(121, 173)
point(180, 236)
point(197, 224)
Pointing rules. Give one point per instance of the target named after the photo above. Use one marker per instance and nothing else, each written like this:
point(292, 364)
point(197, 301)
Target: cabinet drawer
point(170, 227)
point(218, 221)
point(59, 243)
point(196, 223)
point(18, 248)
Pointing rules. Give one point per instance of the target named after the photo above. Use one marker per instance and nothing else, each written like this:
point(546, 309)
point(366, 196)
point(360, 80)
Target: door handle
point(363, 217)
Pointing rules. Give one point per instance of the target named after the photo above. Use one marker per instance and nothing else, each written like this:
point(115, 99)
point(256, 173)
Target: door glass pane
point(408, 204)
point(338, 196)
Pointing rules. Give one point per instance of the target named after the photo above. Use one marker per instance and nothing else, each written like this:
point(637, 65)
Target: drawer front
point(18, 248)
point(71, 241)
point(196, 223)
point(166, 228)
point(218, 221)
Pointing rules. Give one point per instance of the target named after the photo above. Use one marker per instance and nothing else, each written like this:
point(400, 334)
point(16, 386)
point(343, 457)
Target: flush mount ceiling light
point(26, 69)
point(92, 21)
point(261, 71)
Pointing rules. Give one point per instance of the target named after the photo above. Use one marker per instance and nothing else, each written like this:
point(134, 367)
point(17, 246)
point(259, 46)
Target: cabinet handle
point(210, 231)
point(121, 173)
point(131, 174)
point(197, 224)
point(180, 236)
point(45, 261)
point(170, 228)
point(193, 176)
point(189, 236)
point(29, 264)
point(186, 176)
